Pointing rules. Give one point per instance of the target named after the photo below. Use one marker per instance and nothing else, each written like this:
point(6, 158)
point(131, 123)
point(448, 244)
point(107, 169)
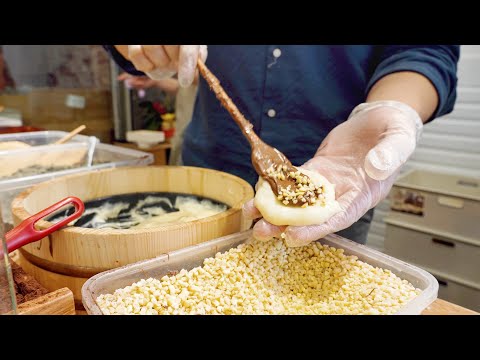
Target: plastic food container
point(105, 156)
point(36, 159)
point(38, 138)
point(188, 258)
point(39, 154)
point(145, 139)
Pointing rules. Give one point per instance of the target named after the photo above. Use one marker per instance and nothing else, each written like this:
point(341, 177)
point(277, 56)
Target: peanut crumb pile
point(305, 193)
point(268, 278)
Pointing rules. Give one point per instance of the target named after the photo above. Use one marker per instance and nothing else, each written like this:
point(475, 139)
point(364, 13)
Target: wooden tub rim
point(19, 211)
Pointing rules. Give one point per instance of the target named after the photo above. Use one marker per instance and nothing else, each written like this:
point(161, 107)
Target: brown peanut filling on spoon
point(303, 194)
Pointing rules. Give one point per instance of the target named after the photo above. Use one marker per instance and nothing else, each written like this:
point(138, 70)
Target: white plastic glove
point(163, 61)
point(362, 156)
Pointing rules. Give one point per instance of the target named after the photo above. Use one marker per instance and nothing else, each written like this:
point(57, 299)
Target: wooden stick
point(245, 125)
point(70, 135)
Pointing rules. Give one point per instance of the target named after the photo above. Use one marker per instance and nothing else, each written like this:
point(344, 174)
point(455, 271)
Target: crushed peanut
point(305, 192)
point(268, 278)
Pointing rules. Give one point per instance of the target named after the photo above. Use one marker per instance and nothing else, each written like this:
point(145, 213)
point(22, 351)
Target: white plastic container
point(145, 139)
point(39, 138)
point(188, 258)
point(105, 156)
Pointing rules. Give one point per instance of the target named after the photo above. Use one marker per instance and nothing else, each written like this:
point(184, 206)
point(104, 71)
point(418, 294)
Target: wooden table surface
point(442, 307)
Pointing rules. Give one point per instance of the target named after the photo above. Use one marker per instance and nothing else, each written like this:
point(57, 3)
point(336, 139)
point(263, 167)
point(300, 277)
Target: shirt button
point(271, 113)
point(277, 53)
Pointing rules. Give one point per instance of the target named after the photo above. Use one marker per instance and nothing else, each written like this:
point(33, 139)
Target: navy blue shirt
point(295, 94)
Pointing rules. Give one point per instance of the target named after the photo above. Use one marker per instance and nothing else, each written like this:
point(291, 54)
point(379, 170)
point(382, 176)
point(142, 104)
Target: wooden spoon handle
point(214, 83)
point(70, 135)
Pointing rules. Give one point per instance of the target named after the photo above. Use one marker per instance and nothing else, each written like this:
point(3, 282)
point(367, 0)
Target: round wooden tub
point(72, 255)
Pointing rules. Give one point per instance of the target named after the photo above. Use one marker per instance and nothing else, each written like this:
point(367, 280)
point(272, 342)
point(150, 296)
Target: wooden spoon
point(70, 135)
point(263, 156)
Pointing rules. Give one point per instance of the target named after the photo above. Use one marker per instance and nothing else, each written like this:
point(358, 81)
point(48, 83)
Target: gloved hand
point(163, 61)
point(362, 156)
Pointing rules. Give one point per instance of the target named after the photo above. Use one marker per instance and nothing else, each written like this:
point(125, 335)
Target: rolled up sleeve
point(125, 64)
point(438, 63)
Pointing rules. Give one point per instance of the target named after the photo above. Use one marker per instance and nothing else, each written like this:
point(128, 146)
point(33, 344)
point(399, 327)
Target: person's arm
point(363, 155)
point(421, 76)
point(142, 82)
point(122, 49)
point(121, 60)
point(160, 61)
point(410, 88)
